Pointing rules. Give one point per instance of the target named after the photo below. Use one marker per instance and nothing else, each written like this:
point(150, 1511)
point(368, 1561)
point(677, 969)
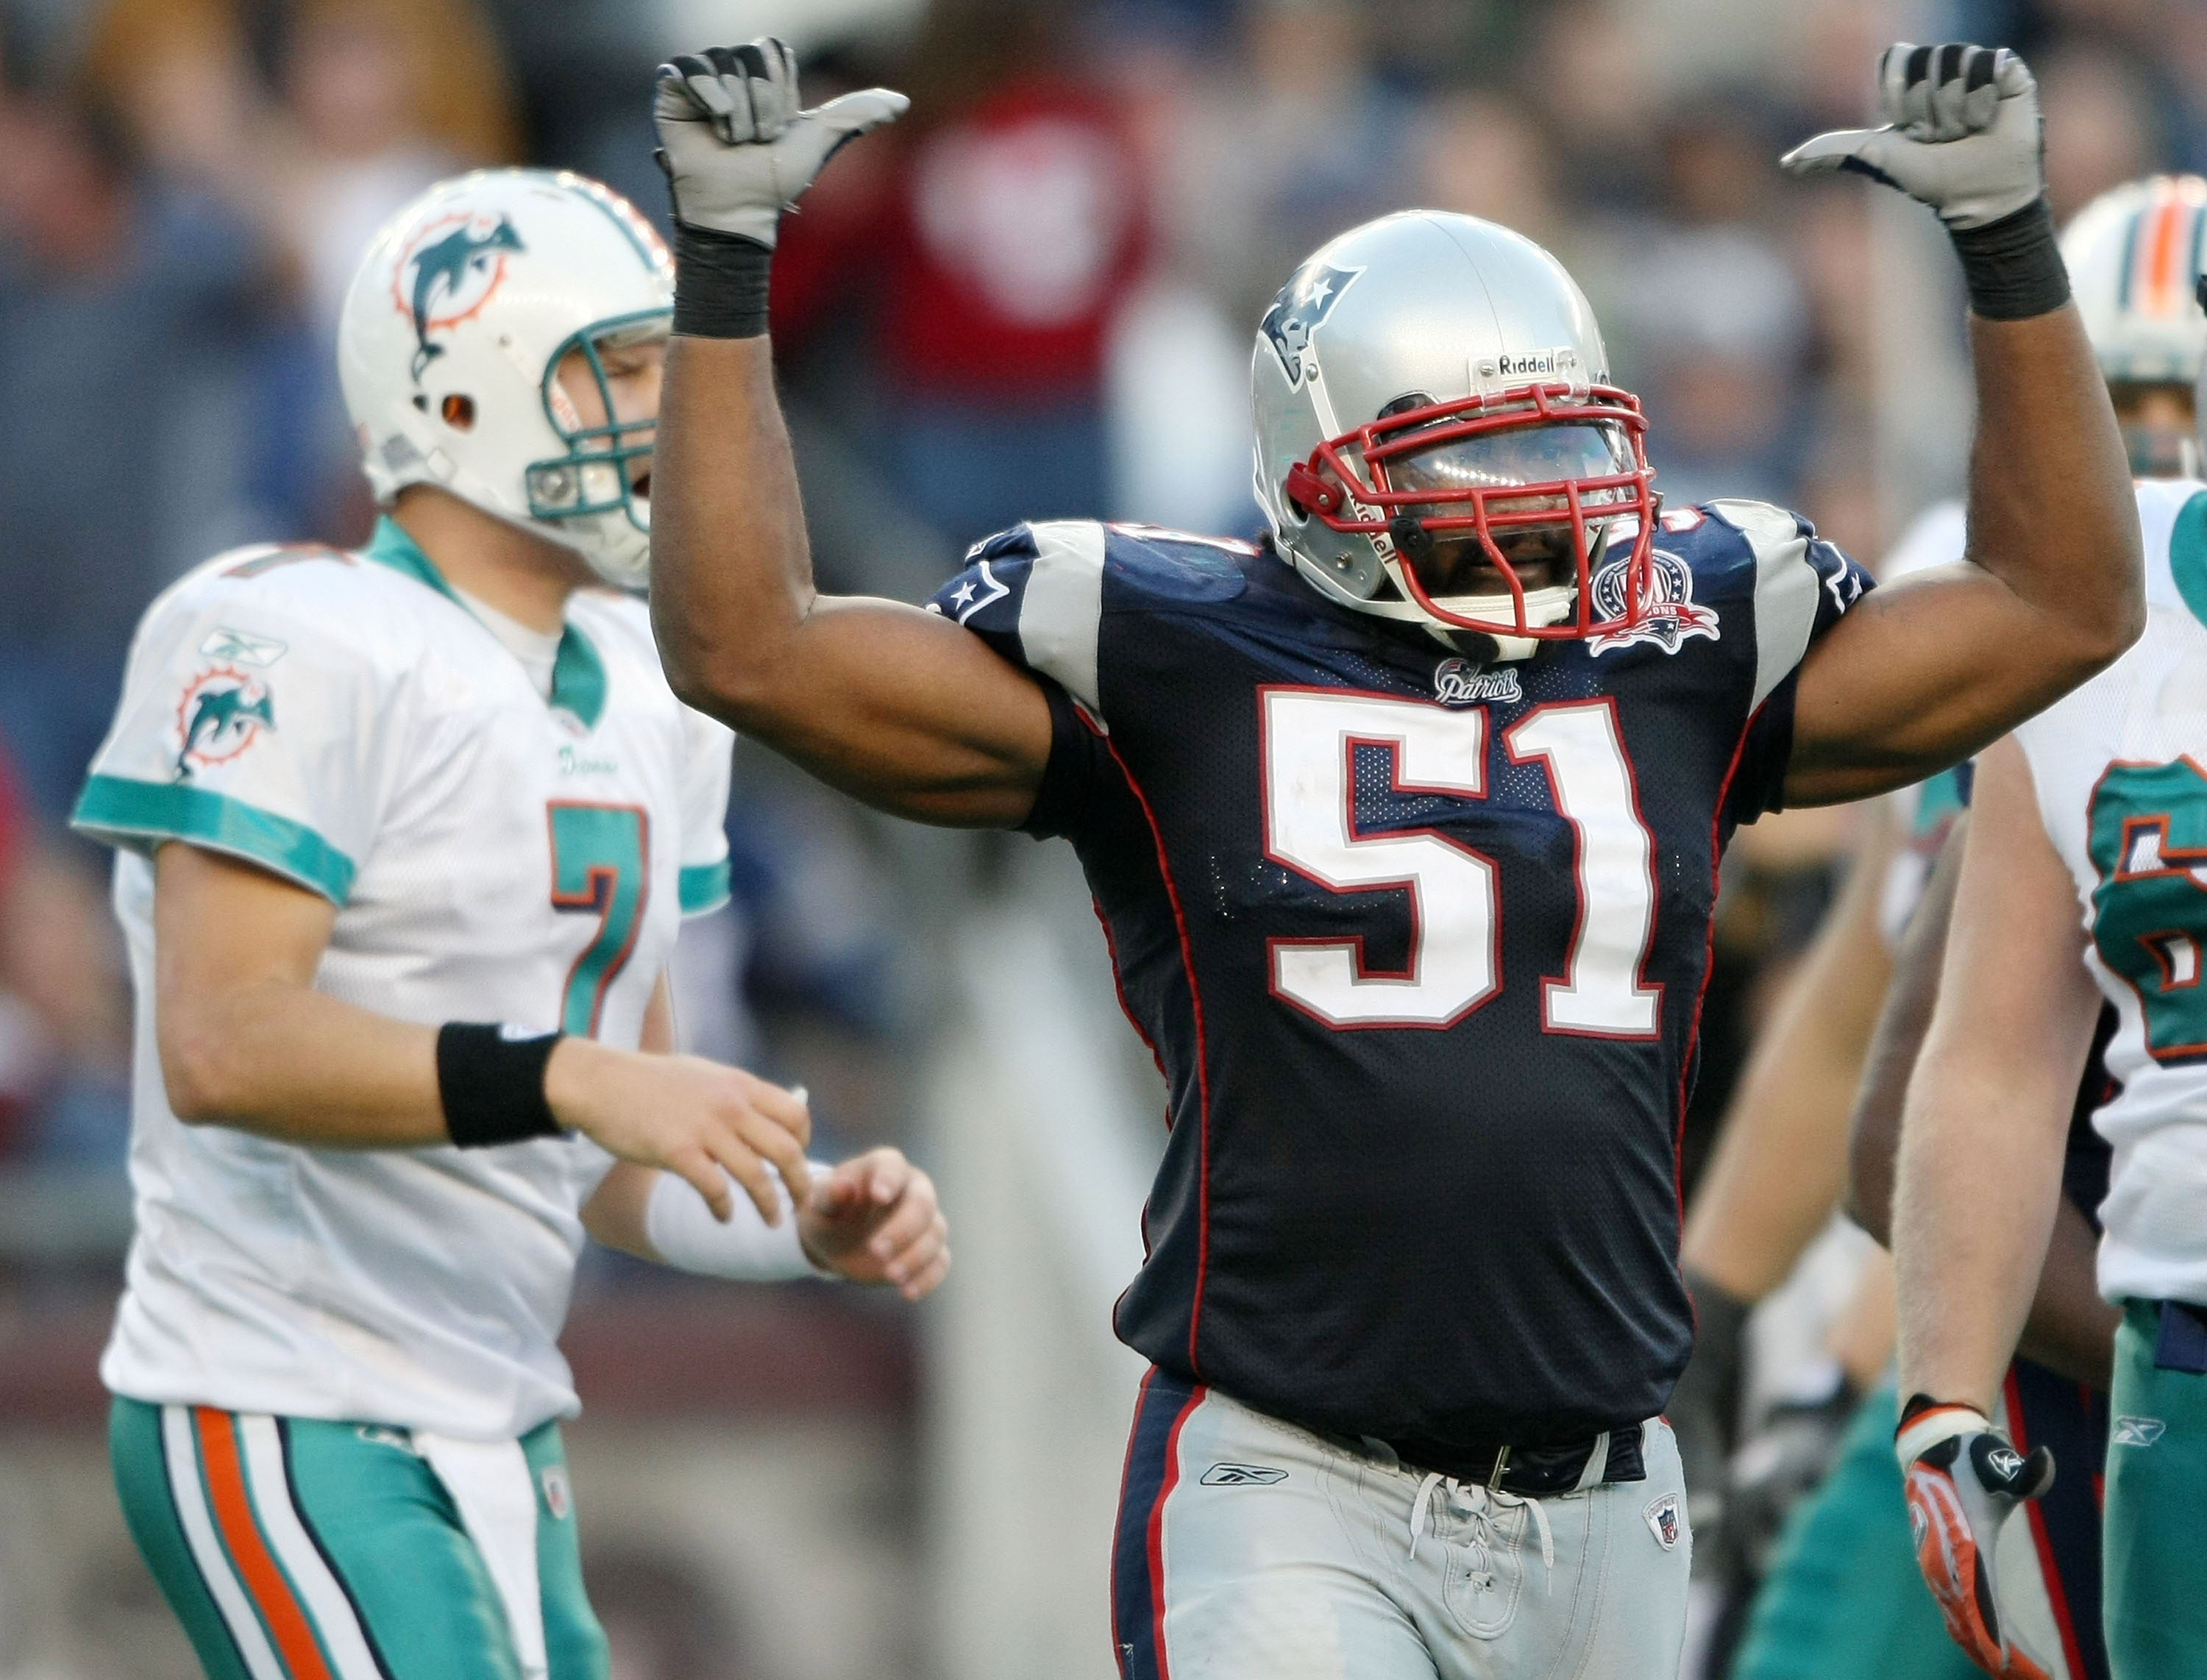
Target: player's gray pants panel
point(1311, 1575)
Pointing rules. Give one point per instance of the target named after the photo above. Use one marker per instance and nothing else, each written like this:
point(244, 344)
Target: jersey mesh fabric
point(1447, 1234)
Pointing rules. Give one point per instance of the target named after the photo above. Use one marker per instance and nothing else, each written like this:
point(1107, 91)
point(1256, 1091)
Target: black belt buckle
point(2182, 1342)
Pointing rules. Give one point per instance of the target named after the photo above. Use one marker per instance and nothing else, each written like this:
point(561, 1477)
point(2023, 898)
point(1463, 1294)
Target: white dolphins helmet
point(1429, 375)
point(2134, 255)
point(451, 339)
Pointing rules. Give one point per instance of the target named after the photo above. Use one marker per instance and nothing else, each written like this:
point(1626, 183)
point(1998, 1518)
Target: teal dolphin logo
point(446, 271)
point(219, 715)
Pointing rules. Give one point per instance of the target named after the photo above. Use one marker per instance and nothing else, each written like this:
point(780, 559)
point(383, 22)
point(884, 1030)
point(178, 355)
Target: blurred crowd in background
point(1034, 296)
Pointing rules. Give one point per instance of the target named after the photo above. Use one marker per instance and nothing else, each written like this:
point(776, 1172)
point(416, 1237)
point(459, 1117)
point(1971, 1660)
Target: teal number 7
point(600, 857)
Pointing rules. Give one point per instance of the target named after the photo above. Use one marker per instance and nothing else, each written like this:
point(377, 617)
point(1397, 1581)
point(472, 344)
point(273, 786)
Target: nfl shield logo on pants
point(1663, 1520)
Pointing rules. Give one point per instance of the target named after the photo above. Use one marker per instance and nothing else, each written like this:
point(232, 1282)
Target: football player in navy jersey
point(1404, 828)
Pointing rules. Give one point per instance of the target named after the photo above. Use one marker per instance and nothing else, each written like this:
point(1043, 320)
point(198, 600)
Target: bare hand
point(703, 1121)
point(874, 1220)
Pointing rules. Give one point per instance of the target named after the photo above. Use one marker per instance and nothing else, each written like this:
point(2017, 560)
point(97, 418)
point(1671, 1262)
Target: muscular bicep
point(897, 706)
point(1921, 674)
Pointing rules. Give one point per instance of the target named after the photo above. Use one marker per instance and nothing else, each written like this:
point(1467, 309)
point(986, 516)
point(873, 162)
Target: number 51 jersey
point(344, 722)
point(1419, 947)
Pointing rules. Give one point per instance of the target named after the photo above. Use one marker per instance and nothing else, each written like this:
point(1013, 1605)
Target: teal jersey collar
point(578, 675)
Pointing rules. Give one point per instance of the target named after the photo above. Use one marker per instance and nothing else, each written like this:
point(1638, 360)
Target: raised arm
point(1920, 675)
point(894, 705)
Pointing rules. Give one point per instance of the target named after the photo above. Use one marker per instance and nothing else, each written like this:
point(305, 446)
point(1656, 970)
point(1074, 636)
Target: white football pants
point(1249, 1549)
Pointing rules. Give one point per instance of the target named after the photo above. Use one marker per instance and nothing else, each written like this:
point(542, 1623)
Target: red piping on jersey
point(1708, 961)
point(2057, 1594)
point(1202, 1056)
point(1118, 985)
point(1156, 1534)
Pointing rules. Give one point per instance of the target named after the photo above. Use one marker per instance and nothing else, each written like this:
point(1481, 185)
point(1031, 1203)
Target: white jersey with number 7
point(345, 722)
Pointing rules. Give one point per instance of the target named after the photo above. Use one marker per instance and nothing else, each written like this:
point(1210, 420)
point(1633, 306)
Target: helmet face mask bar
point(1460, 473)
point(593, 477)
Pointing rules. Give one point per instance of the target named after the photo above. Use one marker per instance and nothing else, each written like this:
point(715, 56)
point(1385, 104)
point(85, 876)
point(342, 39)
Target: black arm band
point(721, 283)
point(2012, 266)
point(493, 1086)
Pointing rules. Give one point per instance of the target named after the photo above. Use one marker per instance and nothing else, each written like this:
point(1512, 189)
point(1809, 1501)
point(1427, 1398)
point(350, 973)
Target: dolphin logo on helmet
point(442, 271)
point(450, 342)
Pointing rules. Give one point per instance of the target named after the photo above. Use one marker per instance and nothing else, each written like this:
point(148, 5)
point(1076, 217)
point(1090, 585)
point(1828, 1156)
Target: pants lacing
point(1481, 1504)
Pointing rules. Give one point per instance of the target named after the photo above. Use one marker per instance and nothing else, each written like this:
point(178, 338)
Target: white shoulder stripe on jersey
point(268, 1480)
point(1785, 587)
point(1061, 615)
point(180, 1454)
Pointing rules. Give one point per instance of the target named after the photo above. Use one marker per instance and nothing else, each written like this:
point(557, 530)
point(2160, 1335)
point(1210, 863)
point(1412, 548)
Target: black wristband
point(2012, 266)
point(721, 283)
point(492, 1085)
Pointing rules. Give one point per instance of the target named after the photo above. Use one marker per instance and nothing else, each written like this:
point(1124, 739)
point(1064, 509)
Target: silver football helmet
point(1437, 441)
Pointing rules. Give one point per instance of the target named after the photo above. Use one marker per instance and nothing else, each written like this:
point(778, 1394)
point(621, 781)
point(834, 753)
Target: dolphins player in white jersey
point(405, 838)
point(2080, 883)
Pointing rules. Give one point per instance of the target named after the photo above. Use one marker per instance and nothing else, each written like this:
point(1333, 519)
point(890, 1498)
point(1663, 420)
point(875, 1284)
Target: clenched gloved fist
point(1962, 133)
point(1964, 1482)
point(737, 144)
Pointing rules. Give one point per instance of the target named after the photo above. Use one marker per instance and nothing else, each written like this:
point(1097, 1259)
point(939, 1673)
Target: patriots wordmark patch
point(1665, 1519)
point(222, 712)
point(1241, 1475)
point(1668, 616)
point(1304, 302)
point(2138, 1432)
point(1458, 682)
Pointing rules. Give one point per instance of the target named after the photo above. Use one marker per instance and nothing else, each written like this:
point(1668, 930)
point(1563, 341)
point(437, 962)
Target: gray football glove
point(1962, 133)
point(737, 144)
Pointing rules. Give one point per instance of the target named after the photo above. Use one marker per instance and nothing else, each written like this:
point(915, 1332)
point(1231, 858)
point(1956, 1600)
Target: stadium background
point(1033, 297)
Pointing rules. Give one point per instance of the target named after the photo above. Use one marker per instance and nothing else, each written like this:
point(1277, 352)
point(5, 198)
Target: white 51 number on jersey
point(1311, 738)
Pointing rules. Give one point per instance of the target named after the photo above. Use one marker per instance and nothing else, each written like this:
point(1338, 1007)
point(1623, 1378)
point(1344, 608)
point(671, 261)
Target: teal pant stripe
point(307, 1527)
point(140, 1461)
point(369, 1540)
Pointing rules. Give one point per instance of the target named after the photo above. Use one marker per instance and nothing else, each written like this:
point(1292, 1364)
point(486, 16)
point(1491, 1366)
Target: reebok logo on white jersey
point(243, 647)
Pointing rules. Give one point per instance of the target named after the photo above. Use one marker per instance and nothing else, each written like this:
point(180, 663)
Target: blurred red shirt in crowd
point(995, 245)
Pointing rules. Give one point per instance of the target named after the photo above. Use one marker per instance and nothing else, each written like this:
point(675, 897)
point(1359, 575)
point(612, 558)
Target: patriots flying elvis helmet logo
point(449, 272)
point(1306, 300)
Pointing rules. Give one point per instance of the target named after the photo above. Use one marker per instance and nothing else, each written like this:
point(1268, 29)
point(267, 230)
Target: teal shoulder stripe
point(127, 811)
point(704, 887)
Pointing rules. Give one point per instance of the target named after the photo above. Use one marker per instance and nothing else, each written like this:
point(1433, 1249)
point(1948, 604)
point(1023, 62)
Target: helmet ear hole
point(459, 412)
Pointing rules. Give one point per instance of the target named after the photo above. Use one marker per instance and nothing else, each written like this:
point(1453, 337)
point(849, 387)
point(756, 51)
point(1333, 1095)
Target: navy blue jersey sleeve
point(1034, 594)
point(1804, 586)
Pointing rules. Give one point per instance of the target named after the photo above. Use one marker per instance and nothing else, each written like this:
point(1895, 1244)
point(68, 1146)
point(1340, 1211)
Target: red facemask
point(1538, 459)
